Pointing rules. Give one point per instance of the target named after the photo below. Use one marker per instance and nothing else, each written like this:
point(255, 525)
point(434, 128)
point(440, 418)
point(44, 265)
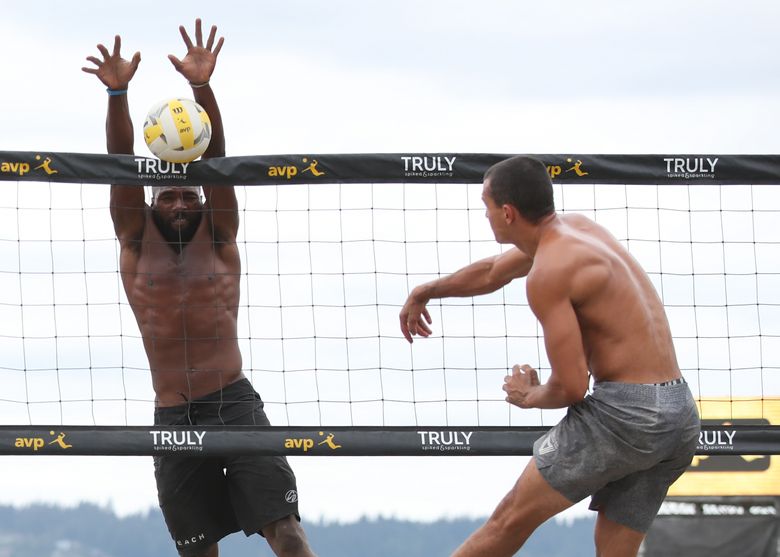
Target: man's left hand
point(198, 65)
point(518, 385)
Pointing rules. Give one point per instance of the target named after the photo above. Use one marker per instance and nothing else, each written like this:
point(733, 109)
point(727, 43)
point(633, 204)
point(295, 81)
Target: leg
point(531, 502)
point(616, 540)
point(287, 539)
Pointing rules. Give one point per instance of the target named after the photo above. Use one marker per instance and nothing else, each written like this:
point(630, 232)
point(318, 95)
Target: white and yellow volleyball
point(177, 130)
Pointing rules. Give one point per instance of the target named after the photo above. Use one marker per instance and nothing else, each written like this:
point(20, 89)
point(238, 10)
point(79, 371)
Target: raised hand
point(199, 62)
point(114, 71)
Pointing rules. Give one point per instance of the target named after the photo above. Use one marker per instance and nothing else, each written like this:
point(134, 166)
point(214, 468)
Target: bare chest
point(199, 275)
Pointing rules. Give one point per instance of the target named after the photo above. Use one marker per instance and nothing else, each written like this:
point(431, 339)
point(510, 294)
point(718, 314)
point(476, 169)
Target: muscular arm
point(220, 199)
point(549, 296)
point(481, 277)
point(197, 67)
point(127, 201)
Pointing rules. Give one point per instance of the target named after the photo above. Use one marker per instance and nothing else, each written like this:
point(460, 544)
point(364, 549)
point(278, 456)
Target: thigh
point(634, 500)
point(529, 503)
point(533, 498)
point(616, 540)
point(262, 488)
point(578, 455)
point(194, 500)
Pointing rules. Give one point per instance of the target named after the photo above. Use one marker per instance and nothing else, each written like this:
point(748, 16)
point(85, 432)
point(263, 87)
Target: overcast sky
point(349, 76)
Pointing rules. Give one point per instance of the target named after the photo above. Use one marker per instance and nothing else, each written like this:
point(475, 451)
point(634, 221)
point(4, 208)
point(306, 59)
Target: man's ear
point(510, 213)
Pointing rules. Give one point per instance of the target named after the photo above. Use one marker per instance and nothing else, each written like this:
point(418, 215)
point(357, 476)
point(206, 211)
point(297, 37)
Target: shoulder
point(570, 259)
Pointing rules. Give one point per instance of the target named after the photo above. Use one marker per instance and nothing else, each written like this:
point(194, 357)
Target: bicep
point(127, 207)
point(222, 207)
point(510, 265)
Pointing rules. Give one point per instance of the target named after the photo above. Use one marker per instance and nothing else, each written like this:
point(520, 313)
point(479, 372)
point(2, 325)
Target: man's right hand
point(114, 71)
point(414, 316)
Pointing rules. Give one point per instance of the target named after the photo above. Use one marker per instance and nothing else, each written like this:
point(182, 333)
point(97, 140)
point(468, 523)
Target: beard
point(178, 236)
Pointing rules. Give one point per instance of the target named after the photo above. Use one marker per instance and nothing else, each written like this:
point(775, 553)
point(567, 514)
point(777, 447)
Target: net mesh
point(325, 270)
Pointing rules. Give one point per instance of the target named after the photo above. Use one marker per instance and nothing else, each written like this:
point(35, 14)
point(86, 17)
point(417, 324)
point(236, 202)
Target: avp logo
point(307, 443)
point(574, 166)
point(445, 440)
point(37, 443)
point(290, 171)
point(45, 165)
point(22, 168)
point(176, 441)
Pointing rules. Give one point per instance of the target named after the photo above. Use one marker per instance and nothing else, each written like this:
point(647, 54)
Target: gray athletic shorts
point(624, 445)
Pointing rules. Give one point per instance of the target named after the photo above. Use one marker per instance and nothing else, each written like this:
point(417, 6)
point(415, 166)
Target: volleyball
point(177, 130)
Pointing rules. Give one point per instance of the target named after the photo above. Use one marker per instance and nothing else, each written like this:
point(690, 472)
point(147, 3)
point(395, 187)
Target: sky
point(406, 76)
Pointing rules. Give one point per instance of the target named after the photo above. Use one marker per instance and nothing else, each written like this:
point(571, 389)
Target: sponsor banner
point(718, 506)
point(719, 467)
point(384, 168)
point(710, 526)
point(233, 440)
point(337, 441)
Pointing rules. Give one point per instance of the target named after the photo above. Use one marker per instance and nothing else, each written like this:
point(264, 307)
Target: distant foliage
point(92, 531)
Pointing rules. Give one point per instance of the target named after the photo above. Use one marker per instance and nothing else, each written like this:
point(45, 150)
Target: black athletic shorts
point(205, 499)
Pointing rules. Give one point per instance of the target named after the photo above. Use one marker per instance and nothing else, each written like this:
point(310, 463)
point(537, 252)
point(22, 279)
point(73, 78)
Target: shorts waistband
point(678, 381)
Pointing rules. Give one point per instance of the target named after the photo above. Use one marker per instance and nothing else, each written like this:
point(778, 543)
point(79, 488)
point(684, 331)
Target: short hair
point(524, 183)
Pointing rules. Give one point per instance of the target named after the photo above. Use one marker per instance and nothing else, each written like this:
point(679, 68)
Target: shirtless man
point(180, 268)
point(627, 441)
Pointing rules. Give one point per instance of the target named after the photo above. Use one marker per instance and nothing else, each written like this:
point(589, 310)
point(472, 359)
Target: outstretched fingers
point(210, 41)
point(95, 61)
point(175, 61)
point(198, 33)
point(212, 36)
point(136, 59)
point(104, 51)
point(185, 36)
point(219, 44)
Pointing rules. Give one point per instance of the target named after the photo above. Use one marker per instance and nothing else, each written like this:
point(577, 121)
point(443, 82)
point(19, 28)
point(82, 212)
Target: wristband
point(115, 92)
point(198, 85)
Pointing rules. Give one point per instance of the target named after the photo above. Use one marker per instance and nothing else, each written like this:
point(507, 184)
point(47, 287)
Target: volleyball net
point(331, 245)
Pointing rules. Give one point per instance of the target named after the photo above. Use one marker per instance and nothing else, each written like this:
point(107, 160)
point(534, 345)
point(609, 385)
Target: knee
point(290, 543)
point(286, 537)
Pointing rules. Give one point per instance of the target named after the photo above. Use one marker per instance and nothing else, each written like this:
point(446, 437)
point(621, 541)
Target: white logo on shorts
point(291, 496)
point(548, 445)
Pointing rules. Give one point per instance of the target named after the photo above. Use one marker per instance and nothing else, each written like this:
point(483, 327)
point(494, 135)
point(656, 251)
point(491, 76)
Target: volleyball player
point(180, 268)
point(629, 439)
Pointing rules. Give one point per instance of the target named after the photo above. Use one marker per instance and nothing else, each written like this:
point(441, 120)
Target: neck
point(529, 236)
